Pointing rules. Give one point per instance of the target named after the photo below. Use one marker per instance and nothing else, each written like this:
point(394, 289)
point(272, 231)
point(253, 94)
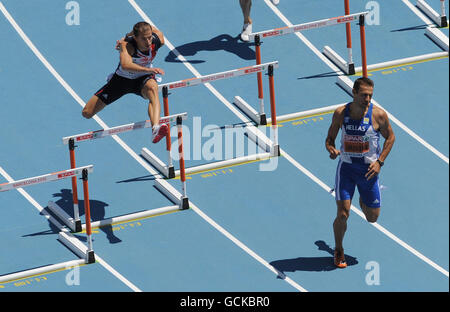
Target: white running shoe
point(246, 30)
point(275, 2)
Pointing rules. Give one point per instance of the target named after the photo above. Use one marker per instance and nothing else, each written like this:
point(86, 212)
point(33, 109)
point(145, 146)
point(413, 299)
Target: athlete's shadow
point(222, 42)
point(97, 209)
point(312, 264)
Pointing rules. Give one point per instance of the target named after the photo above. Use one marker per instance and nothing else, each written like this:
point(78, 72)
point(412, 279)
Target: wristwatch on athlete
point(380, 162)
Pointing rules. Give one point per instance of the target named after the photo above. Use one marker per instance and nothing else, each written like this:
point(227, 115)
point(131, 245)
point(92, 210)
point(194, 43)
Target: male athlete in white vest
point(134, 74)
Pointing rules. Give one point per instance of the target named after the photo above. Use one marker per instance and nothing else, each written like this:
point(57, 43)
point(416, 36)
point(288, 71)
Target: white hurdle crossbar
point(306, 26)
point(92, 135)
point(190, 82)
point(59, 175)
point(54, 176)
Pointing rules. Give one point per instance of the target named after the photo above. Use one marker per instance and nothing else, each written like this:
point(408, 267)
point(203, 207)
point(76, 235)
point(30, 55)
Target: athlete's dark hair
point(138, 28)
point(363, 80)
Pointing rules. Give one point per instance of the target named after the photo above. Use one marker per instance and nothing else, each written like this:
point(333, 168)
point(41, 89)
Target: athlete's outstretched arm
point(126, 60)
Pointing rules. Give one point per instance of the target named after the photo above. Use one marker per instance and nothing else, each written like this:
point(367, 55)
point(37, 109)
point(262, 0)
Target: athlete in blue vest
point(134, 74)
point(361, 158)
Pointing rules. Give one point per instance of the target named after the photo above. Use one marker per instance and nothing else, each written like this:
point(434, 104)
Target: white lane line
point(419, 13)
point(376, 225)
point(246, 249)
point(131, 152)
point(414, 135)
point(400, 124)
point(304, 39)
point(348, 84)
point(78, 99)
point(287, 156)
point(117, 274)
point(237, 113)
point(60, 227)
point(338, 71)
point(31, 200)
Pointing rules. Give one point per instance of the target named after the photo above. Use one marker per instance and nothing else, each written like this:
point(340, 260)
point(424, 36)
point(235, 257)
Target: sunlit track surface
point(258, 226)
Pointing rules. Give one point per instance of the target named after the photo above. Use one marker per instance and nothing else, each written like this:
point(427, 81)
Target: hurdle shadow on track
point(312, 264)
point(149, 177)
point(222, 42)
point(418, 27)
point(323, 75)
point(97, 214)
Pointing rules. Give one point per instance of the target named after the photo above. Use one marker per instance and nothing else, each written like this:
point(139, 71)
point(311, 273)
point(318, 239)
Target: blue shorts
point(350, 175)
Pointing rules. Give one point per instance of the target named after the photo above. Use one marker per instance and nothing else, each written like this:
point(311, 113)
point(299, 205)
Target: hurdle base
point(275, 152)
point(224, 163)
point(90, 257)
point(345, 83)
point(184, 203)
point(263, 119)
point(172, 194)
point(336, 59)
point(431, 13)
point(171, 172)
point(259, 119)
point(157, 163)
point(437, 37)
point(74, 225)
point(13, 277)
point(76, 246)
point(444, 22)
point(78, 227)
point(132, 216)
point(351, 69)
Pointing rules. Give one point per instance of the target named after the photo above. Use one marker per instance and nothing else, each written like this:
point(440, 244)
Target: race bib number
point(356, 145)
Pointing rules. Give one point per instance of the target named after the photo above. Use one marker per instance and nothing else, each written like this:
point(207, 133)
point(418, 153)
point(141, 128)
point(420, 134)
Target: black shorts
point(118, 86)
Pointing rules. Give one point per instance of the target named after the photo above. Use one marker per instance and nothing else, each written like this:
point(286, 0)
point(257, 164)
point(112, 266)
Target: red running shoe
point(159, 132)
point(339, 259)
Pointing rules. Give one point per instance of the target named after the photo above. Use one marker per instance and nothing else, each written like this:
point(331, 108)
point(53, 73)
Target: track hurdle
point(98, 134)
point(259, 118)
point(271, 147)
point(59, 175)
point(347, 67)
point(438, 19)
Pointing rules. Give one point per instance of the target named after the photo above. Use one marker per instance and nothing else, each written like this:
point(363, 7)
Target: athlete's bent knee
point(87, 114)
point(150, 87)
point(372, 218)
